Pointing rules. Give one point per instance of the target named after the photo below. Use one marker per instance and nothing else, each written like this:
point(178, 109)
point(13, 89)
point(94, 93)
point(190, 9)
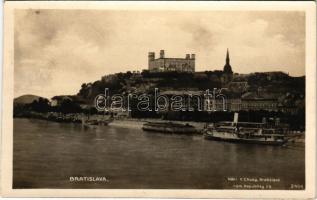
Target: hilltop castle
point(186, 64)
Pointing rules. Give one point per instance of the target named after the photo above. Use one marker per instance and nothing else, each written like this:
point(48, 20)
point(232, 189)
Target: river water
point(49, 154)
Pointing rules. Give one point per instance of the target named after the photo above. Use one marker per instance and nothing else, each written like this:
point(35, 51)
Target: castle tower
point(162, 54)
point(151, 56)
point(227, 68)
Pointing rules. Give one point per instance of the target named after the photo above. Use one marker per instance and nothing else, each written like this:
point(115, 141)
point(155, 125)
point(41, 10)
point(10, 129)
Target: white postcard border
point(8, 79)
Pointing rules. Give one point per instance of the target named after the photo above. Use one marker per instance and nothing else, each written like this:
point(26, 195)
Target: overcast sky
point(58, 50)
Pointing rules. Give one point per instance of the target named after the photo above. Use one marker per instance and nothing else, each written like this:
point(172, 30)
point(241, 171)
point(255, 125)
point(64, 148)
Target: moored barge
point(169, 127)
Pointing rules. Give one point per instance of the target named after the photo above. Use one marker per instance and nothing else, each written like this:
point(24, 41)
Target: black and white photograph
point(175, 99)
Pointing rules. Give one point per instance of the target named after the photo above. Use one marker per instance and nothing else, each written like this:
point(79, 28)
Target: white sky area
point(58, 50)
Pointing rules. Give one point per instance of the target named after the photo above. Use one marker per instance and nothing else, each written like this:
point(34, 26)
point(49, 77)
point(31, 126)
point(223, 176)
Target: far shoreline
point(134, 123)
point(138, 123)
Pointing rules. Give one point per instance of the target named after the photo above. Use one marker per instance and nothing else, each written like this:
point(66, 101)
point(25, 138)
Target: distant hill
point(26, 99)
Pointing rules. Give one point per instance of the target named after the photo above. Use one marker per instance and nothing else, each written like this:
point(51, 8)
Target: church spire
point(227, 58)
point(227, 67)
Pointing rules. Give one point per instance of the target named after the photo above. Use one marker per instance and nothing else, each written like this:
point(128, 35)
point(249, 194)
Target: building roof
point(62, 97)
point(257, 96)
point(74, 98)
point(182, 92)
point(174, 58)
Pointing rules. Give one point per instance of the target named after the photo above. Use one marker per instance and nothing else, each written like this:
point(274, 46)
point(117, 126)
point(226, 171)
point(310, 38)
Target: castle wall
point(156, 65)
point(186, 64)
point(172, 64)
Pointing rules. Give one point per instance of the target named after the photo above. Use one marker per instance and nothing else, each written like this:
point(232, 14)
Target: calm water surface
point(47, 154)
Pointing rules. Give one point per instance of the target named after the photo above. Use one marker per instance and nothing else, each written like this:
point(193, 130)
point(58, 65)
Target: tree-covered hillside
point(145, 82)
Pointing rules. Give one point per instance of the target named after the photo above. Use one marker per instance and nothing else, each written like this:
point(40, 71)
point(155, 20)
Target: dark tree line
point(42, 105)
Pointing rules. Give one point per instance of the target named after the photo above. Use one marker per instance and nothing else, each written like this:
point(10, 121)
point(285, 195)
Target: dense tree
point(41, 105)
point(69, 106)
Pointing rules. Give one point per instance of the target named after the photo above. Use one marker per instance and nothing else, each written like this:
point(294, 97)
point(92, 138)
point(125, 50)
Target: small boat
point(76, 121)
point(90, 124)
point(104, 122)
point(251, 135)
point(95, 123)
point(169, 127)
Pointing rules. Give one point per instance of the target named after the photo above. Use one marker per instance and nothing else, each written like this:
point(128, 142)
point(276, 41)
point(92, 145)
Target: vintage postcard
point(159, 99)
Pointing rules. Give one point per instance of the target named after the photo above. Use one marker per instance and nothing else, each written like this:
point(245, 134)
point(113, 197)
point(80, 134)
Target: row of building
point(250, 101)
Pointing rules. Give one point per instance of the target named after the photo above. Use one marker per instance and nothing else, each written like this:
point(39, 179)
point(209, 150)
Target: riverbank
point(294, 137)
point(132, 123)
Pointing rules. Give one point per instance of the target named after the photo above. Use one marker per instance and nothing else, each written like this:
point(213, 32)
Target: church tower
point(227, 68)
